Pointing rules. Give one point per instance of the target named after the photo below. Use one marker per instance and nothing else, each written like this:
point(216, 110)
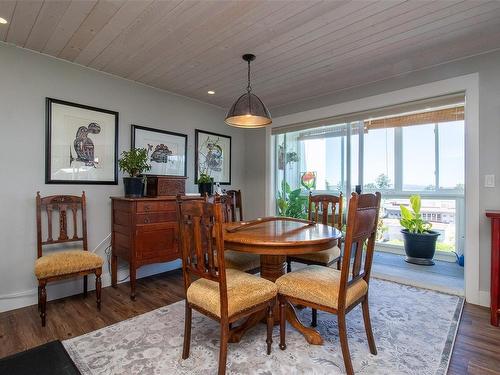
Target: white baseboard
point(70, 287)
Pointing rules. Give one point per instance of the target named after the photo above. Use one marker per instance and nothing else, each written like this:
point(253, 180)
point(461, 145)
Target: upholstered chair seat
point(243, 292)
point(319, 285)
point(325, 256)
point(241, 261)
point(60, 263)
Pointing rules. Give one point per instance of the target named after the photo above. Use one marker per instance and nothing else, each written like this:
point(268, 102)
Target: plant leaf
point(415, 204)
point(406, 213)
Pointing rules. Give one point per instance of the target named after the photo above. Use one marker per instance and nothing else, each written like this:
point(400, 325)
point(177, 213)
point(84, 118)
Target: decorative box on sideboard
point(144, 231)
point(160, 186)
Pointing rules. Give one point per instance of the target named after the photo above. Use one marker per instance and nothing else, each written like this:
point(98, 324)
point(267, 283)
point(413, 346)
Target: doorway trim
point(467, 83)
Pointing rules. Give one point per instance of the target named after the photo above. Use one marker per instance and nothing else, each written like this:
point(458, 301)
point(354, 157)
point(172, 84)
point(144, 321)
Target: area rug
point(414, 331)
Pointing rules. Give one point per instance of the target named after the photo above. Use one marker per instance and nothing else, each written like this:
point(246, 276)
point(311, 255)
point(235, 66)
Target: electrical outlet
point(489, 180)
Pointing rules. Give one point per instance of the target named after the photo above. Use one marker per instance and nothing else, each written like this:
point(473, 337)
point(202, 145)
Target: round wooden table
point(273, 239)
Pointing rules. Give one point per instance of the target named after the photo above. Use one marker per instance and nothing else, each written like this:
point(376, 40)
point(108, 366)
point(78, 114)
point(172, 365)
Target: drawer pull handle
point(146, 220)
point(147, 207)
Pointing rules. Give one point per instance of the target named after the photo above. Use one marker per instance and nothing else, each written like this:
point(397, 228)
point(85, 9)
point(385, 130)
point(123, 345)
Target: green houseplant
point(205, 184)
point(134, 163)
point(419, 239)
point(291, 203)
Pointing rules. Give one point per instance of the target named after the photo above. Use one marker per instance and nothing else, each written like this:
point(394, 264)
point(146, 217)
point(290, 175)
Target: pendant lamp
point(248, 111)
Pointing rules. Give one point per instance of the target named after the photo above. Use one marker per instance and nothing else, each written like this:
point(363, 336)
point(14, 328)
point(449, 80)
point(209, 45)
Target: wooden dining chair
point(319, 210)
point(334, 291)
point(65, 261)
point(238, 203)
point(225, 295)
point(235, 259)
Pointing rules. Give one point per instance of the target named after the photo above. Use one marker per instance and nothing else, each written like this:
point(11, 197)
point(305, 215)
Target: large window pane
point(451, 155)
point(324, 156)
point(378, 167)
point(356, 130)
point(419, 158)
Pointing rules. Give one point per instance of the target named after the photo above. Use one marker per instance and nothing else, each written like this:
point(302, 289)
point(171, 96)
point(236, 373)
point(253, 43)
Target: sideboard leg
point(114, 270)
point(132, 281)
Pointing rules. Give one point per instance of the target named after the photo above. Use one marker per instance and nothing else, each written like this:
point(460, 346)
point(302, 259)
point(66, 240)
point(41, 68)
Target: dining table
point(275, 238)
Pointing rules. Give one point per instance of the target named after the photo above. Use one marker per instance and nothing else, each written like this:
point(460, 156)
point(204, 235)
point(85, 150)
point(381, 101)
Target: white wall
point(255, 172)
point(488, 67)
point(26, 78)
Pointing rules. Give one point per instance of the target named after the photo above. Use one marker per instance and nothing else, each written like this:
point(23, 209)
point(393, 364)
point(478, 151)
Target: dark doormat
point(47, 359)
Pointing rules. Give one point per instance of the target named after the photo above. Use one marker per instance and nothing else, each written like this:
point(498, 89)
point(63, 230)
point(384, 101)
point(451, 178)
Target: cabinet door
point(156, 242)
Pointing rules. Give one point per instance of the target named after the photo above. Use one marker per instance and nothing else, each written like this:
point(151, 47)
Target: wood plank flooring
point(476, 352)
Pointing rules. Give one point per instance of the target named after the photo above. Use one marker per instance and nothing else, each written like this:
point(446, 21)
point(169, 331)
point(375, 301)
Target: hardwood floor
point(477, 347)
point(476, 352)
point(73, 316)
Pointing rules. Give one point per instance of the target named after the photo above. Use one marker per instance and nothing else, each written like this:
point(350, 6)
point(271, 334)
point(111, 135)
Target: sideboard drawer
point(156, 217)
point(145, 206)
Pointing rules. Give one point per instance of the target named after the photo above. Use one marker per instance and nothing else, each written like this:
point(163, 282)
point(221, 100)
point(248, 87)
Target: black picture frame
point(199, 132)
point(133, 130)
point(48, 144)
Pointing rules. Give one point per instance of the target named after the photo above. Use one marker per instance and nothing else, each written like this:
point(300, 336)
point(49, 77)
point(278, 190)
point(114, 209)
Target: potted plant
point(134, 163)
point(419, 239)
point(205, 184)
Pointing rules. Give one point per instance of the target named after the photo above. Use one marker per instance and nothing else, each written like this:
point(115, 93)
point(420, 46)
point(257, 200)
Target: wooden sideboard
point(144, 231)
point(494, 215)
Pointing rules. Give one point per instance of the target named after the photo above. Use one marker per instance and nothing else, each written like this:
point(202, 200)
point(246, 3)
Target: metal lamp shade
point(248, 111)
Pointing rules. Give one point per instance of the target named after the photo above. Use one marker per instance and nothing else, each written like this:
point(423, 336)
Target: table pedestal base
point(311, 335)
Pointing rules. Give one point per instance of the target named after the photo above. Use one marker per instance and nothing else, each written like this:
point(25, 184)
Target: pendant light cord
point(249, 86)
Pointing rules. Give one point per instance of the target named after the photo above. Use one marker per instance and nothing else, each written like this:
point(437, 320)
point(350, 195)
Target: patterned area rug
point(414, 331)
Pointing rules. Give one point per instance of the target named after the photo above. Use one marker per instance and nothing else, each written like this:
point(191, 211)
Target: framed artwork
point(81, 144)
point(167, 150)
point(213, 156)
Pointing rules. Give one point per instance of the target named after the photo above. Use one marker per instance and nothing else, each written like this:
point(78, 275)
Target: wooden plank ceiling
point(304, 48)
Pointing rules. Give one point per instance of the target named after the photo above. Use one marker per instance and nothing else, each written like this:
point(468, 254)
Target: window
point(419, 161)
point(399, 155)
point(451, 155)
point(378, 159)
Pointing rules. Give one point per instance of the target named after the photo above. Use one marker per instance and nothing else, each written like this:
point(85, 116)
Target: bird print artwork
point(83, 145)
point(214, 157)
point(160, 154)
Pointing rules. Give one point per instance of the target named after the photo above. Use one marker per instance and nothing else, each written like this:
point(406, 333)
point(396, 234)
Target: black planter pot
point(205, 187)
point(134, 187)
point(420, 247)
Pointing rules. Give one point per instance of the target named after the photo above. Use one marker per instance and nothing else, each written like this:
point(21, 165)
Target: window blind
point(419, 118)
point(400, 113)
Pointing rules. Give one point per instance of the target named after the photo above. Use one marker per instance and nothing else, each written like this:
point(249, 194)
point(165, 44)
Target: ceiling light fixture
point(211, 92)
point(248, 111)
point(3, 21)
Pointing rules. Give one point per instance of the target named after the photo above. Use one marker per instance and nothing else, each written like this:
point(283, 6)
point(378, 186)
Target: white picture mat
point(65, 121)
point(175, 143)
